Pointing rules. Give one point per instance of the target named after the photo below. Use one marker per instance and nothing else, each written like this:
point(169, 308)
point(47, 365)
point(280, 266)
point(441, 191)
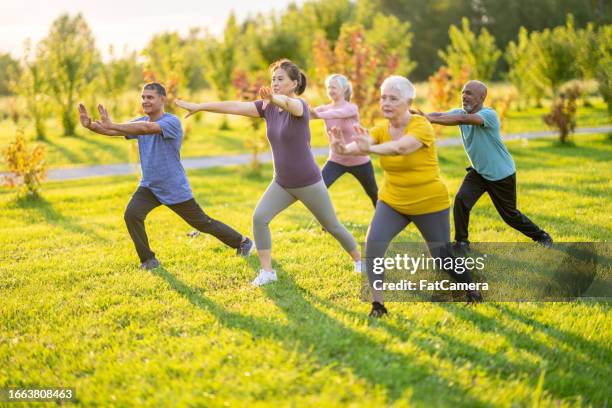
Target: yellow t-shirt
point(412, 183)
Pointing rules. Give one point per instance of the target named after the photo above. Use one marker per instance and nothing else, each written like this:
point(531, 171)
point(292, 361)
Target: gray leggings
point(387, 223)
point(315, 197)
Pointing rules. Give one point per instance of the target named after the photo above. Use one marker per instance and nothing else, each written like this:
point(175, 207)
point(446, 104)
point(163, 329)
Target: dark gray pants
point(387, 223)
point(143, 201)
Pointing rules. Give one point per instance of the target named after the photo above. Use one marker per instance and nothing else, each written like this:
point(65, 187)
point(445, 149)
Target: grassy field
point(205, 138)
point(77, 313)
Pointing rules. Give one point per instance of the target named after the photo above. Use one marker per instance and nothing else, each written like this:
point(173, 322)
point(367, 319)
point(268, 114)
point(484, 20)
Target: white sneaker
point(357, 266)
point(264, 277)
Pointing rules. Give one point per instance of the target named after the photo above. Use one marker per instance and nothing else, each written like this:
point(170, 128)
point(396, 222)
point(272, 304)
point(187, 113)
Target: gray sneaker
point(150, 264)
point(245, 248)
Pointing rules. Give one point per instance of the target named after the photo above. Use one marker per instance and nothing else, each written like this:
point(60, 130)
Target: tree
point(164, 63)
point(247, 89)
point(70, 61)
point(595, 59)
point(553, 57)
point(478, 54)
point(7, 64)
point(520, 56)
point(444, 90)
point(366, 64)
point(220, 61)
point(29, 82)
point(119, 75)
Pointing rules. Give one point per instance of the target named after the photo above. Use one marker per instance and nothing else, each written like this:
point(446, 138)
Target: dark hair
point(295, 74)
point(157, 87)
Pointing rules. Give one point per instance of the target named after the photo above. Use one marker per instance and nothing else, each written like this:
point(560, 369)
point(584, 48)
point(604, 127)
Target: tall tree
point(220, 61)
point(478, 54)
point(7, 64)
point(30, 83)
point(70, 61)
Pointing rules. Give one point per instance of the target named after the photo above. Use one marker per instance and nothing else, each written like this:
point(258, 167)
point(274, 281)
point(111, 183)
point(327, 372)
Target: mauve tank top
point(289, 137)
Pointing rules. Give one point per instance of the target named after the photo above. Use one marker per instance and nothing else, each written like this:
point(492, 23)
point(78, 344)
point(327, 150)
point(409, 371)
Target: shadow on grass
point(562, 368)
point(315, 333)
point(584, 371)
point(37, 207)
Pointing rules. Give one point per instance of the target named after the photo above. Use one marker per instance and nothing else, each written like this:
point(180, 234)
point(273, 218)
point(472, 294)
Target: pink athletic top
point(343, 116)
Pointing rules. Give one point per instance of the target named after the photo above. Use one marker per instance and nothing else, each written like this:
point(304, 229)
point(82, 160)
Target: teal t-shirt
point(484, 146)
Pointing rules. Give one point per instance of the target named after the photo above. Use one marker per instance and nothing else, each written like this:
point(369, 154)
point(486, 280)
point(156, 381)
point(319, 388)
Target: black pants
point(364, 173)
point(503, 195)
point(143, 201)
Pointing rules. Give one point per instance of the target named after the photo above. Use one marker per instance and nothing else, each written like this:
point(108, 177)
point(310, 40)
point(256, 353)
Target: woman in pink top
point(343, 114)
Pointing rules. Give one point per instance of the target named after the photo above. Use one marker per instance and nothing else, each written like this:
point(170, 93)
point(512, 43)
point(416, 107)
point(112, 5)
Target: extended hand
point(265, 93)
point(104, 118)
point(363, 138)
point(336, 144)
point(84, 116)
point(192, 108)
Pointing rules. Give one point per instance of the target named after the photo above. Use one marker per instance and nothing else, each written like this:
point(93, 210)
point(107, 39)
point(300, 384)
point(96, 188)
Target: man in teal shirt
point(492, 168)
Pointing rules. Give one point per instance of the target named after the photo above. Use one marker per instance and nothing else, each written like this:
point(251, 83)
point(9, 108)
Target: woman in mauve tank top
point(296, 174)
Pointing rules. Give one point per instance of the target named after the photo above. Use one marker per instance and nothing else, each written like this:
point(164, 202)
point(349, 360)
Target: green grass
point(204, 138)
point(76, 311)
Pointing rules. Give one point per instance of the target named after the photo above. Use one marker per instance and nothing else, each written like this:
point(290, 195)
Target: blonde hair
point(344, 83)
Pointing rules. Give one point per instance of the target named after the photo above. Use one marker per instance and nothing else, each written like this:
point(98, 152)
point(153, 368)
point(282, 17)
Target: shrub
point(26, 164)
point(563, 112)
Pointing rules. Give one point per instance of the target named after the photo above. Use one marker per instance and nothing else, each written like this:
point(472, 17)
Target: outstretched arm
point(360, 147)
point(455, 119)
point(230, 107)
point(292, 105)
point(400, 147)
point(94, 126)
point(344, 112)
point(129, 129)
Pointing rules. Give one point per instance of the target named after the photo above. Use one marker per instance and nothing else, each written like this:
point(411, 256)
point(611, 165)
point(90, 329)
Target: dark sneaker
point(461, 248)
point(378, 310)
point(245, 248)
point(545, 240)
point(150, 264)
point(473, 296)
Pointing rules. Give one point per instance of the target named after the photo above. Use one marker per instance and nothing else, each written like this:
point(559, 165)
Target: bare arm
point(400, 147)
point(356, 148)
point(229, 107)
point(94, 126)
point(456, 119)
point(292, 105)
point(403, 146)
point(134, 128)
point(344, 112)
point(128, 129)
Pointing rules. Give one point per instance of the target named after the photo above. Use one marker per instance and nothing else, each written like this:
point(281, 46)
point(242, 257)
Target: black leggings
point(364, 173)
point(143, 201)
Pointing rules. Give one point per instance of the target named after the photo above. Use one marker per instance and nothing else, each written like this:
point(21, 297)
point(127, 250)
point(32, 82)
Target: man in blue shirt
point(164, 181)
point(492, 168)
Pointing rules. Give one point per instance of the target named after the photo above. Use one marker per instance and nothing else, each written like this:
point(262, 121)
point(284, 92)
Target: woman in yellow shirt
point(412, 190)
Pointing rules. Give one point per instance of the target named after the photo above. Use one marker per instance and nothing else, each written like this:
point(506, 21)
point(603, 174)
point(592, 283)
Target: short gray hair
point(401, 84)
point(344, 84)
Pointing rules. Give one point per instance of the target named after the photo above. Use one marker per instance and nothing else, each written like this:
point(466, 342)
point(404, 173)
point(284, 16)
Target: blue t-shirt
point(160, 161)
point(484, 146)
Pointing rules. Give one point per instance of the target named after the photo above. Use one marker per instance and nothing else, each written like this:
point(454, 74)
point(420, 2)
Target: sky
point(121, 23)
